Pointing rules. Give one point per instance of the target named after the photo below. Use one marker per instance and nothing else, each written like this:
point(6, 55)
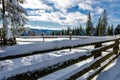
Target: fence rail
point(95, 65)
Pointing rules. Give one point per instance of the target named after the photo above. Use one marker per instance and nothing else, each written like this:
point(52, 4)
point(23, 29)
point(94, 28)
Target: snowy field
point(21, 41)
point(19, 65)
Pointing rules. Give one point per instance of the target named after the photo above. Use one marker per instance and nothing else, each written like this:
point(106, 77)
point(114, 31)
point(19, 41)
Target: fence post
point(43, 36)
point(97, 54)
point(0, 42)
point(116, 48)
point(97, 45)
point(70, 34)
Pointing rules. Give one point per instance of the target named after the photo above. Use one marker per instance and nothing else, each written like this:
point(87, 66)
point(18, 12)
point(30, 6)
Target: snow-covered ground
point(111, 74)
point(32, 39)
point(19, 65)
point(21, 41)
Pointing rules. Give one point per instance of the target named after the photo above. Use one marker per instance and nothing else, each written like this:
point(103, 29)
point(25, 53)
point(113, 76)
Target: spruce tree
point(13, 15)
point(63, 32)
point(109, 30)
point(89, 25)
point(112, 30)
point(104, 22)
point(97, 31)
point(100, 27)
point(81, 32)
point(117, 29)
point(68, 30)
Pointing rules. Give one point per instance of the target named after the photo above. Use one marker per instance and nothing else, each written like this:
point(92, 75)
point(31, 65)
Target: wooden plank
point(51, 50)
point(92, 66)
point(104, 48)
point(102, 68)
point(116, 48)
point(34, 75)
point(98, 52)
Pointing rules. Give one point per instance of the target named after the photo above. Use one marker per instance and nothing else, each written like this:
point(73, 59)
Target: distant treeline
point(101, 29)
point(78, 30)
point(73, 31)
point(111, 30)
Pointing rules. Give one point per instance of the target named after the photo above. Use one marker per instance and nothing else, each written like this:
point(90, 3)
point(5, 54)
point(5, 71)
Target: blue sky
point(59, 14)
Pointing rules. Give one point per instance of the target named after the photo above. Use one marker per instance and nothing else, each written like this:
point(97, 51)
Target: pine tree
point(53, 33)
point(112, 30)
point(117, 29)
point(12, 14)
point(80, 30)
point(73, 31)
point(97, 31)
point(68, 31)
point(89, 26)
point(99, 27)
point(109, 30)
point(104, 22)
point(62, 32)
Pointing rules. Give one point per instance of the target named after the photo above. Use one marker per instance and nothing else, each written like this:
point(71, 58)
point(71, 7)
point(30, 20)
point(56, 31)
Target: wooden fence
point(95, 65)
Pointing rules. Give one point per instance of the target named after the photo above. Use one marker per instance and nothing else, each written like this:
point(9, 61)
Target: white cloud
point(42, 11)
point(76, 17)
point(63, 5)
point(49, 17)
point(70, 18)
point(42, 27)
point(36, 12)
point(99, 10)
point(37, 4)
point(85, 6)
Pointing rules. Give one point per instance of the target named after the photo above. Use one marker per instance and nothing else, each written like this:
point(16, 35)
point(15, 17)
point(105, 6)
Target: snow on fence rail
point(33, 73)
point(18, 51)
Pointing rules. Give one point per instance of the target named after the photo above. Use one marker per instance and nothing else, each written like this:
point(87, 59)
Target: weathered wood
point(102, 68)
point(104, 48)
point(116, 48)
point(33, 75)
point(51, 50)
point(102, 60)
point(92, 66)
point(98, 53)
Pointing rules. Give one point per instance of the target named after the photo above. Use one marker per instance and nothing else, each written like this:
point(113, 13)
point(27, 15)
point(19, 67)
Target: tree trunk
point(4, 38)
